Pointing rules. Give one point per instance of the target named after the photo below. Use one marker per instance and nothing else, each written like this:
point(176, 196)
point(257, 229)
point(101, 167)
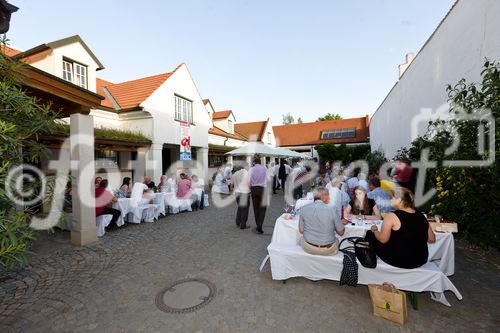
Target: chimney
point(403, 67)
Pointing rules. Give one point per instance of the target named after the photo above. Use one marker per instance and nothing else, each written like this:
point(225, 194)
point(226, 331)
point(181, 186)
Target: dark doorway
point(166, 159)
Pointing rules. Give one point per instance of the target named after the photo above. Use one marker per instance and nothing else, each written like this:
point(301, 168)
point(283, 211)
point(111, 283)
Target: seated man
point(103, 198)
point(318, 223)
point(381, 197)
point(148, 182)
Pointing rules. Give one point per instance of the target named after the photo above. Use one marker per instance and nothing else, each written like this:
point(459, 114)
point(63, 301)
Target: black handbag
point(364, 250)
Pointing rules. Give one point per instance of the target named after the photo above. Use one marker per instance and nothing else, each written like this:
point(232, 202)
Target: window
point(75, 73)
point(340, 133)
point(67, 71)
point(215, 161)
point(183, 109)
point(269, 137)
point(106, 159)
point(80, 75)
point(230, 126)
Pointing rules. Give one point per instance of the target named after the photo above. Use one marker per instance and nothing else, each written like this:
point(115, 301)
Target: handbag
point(388, 302)
point(349, 274)
point(364, 250)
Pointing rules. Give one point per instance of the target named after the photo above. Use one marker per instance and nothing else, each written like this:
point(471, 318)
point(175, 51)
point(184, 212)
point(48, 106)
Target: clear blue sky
point(259, 58)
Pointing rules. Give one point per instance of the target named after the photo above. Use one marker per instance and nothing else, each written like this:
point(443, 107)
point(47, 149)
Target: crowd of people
point(337, 199)
point(185, 187)
point(401, 240)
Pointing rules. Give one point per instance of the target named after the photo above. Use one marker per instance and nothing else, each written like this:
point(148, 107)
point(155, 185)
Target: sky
point(258, 58)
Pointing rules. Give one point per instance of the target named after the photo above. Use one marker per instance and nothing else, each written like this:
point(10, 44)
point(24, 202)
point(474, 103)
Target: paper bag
point(388, 302)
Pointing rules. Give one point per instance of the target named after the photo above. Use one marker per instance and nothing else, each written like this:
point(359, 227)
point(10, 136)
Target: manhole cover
point(186, 295)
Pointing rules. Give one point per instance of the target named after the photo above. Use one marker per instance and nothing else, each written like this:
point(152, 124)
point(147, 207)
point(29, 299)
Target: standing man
point(258, 181)
point(240, 185)
point(282, 174)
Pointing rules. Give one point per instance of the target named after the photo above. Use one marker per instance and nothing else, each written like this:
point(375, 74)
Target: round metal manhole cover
point(186, 295)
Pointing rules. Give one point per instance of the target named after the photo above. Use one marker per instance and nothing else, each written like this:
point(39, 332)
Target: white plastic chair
point(102, 221)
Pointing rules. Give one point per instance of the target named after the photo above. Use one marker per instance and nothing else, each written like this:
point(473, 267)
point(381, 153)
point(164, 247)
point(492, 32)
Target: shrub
point(21, 120)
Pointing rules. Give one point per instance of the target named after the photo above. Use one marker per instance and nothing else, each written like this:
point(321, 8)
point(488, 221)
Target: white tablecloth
point(442, 252)
point(123, 205)
point(160, 201)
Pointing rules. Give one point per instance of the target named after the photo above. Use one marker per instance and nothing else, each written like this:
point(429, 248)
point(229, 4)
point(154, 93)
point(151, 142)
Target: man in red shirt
point(102, 200)
point(403, 174)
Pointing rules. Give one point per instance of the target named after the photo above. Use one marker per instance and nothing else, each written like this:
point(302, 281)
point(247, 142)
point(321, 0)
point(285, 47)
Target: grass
point(107, 133)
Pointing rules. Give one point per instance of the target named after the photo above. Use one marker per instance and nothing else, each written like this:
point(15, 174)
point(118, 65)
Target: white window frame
point(80, 77)
point(230, 126)
point(68, 71)
point(71, 73)
point(183, 109)
point(269, 137)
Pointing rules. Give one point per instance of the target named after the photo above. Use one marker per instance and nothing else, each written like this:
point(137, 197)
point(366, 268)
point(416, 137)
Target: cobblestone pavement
point(111, 286)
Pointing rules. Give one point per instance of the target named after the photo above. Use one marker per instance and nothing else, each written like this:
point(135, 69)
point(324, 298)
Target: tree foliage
point(288, 119)
point(22, 119)
point(330, 116)
point(342, 152)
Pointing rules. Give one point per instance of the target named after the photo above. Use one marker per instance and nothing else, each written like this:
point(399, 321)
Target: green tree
point(21, 120)
point(288, 119)
point(330, 116)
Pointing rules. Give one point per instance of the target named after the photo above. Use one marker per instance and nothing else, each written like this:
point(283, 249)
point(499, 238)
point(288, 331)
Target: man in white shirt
point(240, 185)
point(338, 198)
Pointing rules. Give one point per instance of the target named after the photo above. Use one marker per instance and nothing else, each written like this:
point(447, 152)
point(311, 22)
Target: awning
point(261, 149)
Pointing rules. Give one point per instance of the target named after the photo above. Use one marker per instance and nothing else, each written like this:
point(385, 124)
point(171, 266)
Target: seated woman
point(363, 206)
point(402, 240)
point(125, 188)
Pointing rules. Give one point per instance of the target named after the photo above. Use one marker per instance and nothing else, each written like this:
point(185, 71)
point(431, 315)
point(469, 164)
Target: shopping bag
point(388, 302)
point(205, 200)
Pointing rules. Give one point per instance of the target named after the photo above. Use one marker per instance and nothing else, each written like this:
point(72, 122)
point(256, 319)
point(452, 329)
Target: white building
point(156, 106)
point(457, 49)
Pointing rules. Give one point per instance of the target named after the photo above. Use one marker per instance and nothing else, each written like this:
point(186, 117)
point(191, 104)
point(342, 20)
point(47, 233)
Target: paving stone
point(110, 286)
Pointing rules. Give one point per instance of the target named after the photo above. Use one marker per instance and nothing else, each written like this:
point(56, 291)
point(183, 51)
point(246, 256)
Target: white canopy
point(253, 148)
point(259, 148)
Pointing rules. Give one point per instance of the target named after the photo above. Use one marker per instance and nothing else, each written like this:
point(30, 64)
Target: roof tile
point(252, 130)
point(310, 133)
point(132, 93)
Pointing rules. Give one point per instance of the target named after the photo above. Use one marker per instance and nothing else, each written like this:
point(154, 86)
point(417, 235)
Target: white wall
point(269, 129)
point(219, 140)
point(161, 105)
point(457, 50)
point(130, 121)
point(223, 124)
point(53, 63)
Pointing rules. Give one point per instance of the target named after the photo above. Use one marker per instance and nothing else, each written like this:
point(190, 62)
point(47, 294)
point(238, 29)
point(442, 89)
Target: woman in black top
point(402, 240)
point(361, 205)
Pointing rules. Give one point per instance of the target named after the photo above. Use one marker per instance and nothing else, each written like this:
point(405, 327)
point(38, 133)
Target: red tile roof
point(9, 51)
point(100, 84)
point(310, 133)
point(252, 130)
point(132, 93)
point(221, 114)
point(218, 131)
